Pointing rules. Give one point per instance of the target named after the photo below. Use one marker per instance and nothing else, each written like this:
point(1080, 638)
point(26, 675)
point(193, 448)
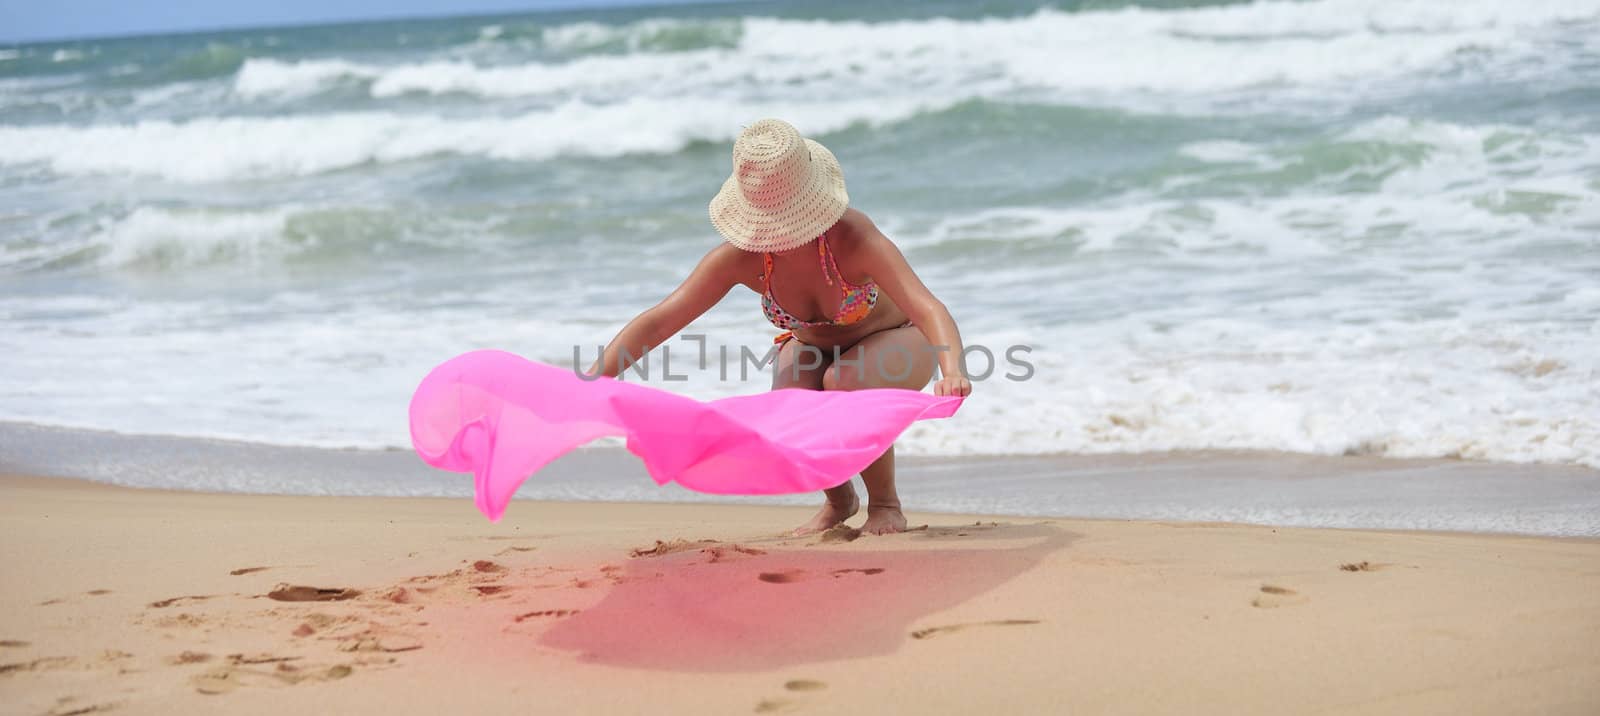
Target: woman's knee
point(840, 377)
point(852, 371)
point(883, 364)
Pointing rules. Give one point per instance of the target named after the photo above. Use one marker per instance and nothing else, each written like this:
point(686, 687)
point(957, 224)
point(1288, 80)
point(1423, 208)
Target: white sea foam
point(245, 148)
point(1447, 388)
point(1354, 43)
point(1226, 152)
point(260, 77)
point(1438, 179)
point(1451, 388)
point(152, 240)
point(821, 74)
point(162, 237)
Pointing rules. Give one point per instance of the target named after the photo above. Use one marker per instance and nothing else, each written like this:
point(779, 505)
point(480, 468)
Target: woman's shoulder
point(734, 264)
point(856, 220)
point(857, 230)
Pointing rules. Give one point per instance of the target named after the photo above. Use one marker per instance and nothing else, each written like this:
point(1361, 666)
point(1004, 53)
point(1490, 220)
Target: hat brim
point(816, 207)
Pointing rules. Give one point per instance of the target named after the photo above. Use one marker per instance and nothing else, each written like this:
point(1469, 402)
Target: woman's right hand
point(956, 385)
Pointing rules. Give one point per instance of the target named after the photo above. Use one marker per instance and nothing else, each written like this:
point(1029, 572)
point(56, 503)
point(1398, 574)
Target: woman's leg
point(896, 358)
point(798, 368)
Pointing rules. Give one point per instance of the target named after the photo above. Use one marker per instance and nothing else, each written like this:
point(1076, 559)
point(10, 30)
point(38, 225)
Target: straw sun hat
point(785, 190)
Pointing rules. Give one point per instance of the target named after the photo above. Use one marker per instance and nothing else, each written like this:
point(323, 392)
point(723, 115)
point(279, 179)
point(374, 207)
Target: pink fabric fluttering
point(502, 417)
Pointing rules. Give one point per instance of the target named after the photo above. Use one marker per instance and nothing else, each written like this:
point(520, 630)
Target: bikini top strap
point(766, 272)
point(826, 257)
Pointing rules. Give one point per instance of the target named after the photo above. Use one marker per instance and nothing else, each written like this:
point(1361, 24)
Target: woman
point(854, 315)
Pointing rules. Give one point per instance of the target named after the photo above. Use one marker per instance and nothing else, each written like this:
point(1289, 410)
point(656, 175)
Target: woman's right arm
point(711, 279)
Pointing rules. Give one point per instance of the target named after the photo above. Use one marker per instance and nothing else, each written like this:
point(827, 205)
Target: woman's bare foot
point(832, 513)
point(884, 519)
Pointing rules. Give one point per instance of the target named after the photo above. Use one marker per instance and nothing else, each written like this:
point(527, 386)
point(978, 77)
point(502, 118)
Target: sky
point(33, 20)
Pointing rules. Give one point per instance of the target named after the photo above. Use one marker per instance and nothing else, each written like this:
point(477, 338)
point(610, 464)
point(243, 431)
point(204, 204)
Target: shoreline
point(1282, 489)
point(81, 483)
point(138, 601)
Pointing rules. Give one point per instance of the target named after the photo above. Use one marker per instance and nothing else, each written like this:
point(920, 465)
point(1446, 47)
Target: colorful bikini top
point(855, 302)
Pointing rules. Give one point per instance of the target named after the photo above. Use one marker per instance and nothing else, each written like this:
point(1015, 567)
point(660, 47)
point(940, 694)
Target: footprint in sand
point(224, 679)
point(297, 593)
point(46, 664)
point(932, 632)
point(218, 681)
point(556, 613)
point(317, 622)
point(252, 570)
point(772, 706)
point(237, 659)
point(662, 549)
point(180, 600)
point(1362, 566)
point(189, 657)
point(784, 577)
point(65, 707)
point(955, 531)
point(370, 641)
point(14, 643)
point(794, 575)
point(729, 552)
point(1272, 597)
point(183, 620)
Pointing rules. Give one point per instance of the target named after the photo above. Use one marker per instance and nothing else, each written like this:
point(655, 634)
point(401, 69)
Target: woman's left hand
point(957, 385)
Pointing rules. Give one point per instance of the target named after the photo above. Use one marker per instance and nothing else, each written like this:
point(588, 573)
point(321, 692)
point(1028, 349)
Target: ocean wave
point(149, 239)
point(1448, 388)
point(251, 148)
point(653, 35)
point(159, 238)
point(260, 77)
point(1428, 154)
point(1361, 186)
point(1452, 388)
point(1354, 44)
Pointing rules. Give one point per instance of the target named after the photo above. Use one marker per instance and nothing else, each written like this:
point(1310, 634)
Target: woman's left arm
point(889, 268)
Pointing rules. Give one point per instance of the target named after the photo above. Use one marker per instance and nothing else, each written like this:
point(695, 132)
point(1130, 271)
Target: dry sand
point(137, 601)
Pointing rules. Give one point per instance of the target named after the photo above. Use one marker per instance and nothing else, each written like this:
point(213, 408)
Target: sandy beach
point(145, 601)
point(1280, 318)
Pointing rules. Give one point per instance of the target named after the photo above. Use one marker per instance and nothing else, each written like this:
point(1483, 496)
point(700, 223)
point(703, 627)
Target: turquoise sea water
point(1334, 226)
